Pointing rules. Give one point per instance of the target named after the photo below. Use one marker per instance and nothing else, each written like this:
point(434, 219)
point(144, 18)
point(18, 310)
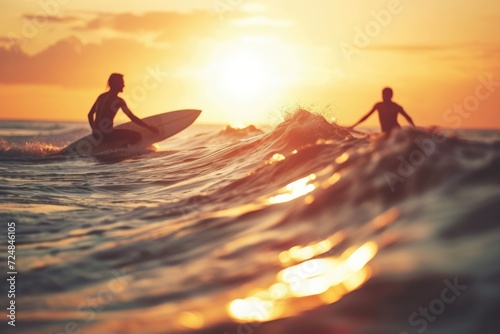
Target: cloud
point(466, 58)
point(42, 19)
point(417, 48)
point(411, 48)
point(70, 63)
point(254, 8)
point(262, 21)
point(137, 41)
point(484, 52)
point(161, 22)
point(8, 40)
point(178, 27)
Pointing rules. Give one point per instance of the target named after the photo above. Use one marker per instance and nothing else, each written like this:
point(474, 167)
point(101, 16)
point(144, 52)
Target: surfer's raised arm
point(405, 115)
point(365, 116)
point(135, 119)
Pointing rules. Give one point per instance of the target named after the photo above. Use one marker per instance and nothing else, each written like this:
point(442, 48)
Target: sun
point(243, 74)
point(249, 80)
point(246, 82)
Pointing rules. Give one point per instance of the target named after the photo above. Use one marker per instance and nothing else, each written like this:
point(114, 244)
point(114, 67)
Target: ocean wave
point(27, 125)
point(27, 149)
point(207, 237)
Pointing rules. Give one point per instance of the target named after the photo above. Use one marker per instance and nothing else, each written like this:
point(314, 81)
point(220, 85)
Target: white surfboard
point(168, 124)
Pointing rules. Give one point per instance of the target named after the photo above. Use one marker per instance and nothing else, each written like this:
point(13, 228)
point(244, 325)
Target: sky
point(250, 62)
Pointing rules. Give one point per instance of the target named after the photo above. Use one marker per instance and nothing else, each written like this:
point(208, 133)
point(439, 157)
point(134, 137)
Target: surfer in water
point(104, 110)
point(387, 112)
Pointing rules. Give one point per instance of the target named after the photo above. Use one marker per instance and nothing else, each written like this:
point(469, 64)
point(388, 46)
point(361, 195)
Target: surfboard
point(168, 124)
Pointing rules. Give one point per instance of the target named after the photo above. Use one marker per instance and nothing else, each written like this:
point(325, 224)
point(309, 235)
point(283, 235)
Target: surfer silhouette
point(387, 112)
point(104, 110)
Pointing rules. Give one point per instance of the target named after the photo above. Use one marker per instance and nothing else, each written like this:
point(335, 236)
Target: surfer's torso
point(388, 115)
point(106, 106)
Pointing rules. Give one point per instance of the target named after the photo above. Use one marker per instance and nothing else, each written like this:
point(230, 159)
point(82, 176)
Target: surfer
point(387, 112)
point(104, 110)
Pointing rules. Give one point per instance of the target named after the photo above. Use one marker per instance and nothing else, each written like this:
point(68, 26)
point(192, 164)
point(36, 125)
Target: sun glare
point(244, 76)
point(247, 79)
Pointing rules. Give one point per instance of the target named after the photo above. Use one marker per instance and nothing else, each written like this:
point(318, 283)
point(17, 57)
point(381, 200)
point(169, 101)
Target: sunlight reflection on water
point(295, 190)
point(327, 279)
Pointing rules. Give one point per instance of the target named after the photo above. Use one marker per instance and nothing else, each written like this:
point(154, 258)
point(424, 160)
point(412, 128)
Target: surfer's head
point(116, 82)
point(387, 94)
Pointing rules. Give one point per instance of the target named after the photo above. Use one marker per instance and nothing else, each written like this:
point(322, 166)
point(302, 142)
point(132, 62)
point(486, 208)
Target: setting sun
point(250, 76)
point(243, 75)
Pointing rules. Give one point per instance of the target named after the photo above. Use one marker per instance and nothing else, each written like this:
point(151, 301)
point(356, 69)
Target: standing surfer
point(387, 112)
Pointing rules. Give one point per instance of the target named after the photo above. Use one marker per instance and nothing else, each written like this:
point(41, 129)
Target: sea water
point(299, 228)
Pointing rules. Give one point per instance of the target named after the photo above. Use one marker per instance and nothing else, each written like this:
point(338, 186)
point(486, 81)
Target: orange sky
point(245, 61)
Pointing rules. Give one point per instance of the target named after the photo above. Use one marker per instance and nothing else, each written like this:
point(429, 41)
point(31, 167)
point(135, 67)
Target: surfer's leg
point(131, 136)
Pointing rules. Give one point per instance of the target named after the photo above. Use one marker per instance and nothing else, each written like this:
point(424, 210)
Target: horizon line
point(227, 124)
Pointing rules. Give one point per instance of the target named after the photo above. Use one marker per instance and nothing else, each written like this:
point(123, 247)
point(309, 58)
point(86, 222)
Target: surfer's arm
point(365, 116)
point(408, 118)
point(137, 120)
point(91, 115)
